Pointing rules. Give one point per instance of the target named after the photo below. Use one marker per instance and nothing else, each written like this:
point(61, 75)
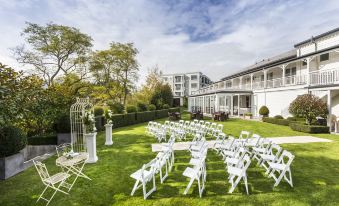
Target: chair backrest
point(244, 135)
point(195, 121)
point(150, 165)
point(167, 123)
point(275, 150)
point(220, 127)
point(207, 124)
point(181, 121)
point(246, 163)
point(201, 122)
point(213, 125)
point(63, 149)
point(41, 169)
point(288, 155)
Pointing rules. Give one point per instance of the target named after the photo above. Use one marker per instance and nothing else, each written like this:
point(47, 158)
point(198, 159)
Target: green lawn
point(315, 175)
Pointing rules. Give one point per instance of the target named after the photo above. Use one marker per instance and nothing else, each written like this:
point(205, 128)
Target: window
point(270, 76)
point(177, 86)
point(304, 63)
point(194, 77)
point(262, 78)
point(324, 57)
point(177, 93)
point(165, 79)
point(248, 102)
point(229, 84)
point(178, 79)
point(194, 85)
point(291, 72)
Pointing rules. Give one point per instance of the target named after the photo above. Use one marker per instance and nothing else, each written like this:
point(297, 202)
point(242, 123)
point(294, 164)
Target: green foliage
point(161, 113)
point(291, 119)
point(54, 49)
point(278, 121)
point(313, 129)
point(116, 107)
point(185, 104)
point(309, 107)
point(162, 95)
point(278, 117)
point(165, 106)
point(264, 111)
point(98, 111)
point(131, 109)
point(152, 107)
point(12, 140)
point(118, 120)
point(63, 124)
point(43, 140)
point(142, 107)
point(145, 116)
point(248, 114)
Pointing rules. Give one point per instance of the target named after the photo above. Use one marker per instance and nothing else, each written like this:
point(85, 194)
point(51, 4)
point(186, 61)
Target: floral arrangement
point(108, 116)
point(89, 122)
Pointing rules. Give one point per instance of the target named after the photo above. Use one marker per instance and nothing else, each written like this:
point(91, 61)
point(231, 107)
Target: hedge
point(284, 122)
point(43, 140)
point(12, 140)
point(161, 113)
point(99, 122)
point(309, 128)
point(145, 116)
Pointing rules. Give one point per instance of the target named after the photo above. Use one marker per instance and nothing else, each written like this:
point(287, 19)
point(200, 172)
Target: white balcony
point(326, 77)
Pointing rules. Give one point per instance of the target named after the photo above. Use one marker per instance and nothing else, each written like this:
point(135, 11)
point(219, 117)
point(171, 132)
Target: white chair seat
point(231, 160)
point(276, 166)
point(194, 161)
point(190, 172)
point(267, 157)
point(57, 178)
point(234, 171)
point(137, 175)
point(228, 153)
point(259, 149)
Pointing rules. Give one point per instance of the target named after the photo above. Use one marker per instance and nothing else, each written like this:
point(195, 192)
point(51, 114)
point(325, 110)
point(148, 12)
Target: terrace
point(315, 174)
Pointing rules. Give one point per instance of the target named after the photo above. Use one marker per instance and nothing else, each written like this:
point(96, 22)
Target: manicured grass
point(315, 175)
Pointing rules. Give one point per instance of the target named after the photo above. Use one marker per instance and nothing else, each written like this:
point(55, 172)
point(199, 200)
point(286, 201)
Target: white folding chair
point(161, 133)
point(162, 161)
point(201, 122)
point(244, 135)
point(53, 182)
point(219, 141)
point(212, 128)
point(271, 156)
point(280, 167)
point(143, 176)
point(261, 149)
point(253, 141)
point(217, 130)
point(196, 173)
point(239, 172)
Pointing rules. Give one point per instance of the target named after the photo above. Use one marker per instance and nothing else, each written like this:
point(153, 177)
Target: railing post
point(265, 78)
point(252, 81)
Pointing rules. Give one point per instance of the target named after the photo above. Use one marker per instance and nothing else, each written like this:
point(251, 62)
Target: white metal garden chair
point(220, 139)
point(281, 167)
point(143, 176)
point(239, 172)
point(54, 182)
point(261, 149)
point(271, 156)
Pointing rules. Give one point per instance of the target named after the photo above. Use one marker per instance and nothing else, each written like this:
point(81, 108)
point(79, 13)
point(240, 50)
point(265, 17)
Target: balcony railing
point(324, 77)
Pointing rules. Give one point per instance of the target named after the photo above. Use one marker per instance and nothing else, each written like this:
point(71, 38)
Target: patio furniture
point(143, 176)
point(54, 182)
point(239, 172)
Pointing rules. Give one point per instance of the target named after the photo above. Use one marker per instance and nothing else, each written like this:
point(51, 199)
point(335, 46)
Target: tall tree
point(116, 69)
point(53, 50)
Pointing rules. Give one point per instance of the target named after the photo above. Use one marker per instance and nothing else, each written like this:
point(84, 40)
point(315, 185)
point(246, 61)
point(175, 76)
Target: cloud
point(215, 37)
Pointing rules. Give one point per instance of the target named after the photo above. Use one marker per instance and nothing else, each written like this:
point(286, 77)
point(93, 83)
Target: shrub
point(278, 117)
point(118, 120)
point(131, 109)
point(12, 140)
point(145, 116)
point(309, 128)
point(308, 106)
point(43, 140)
point(98, 111)
point(142, 107)
point(63, 124)
point(161, 113)
point(165, 106)
point(248, 114)
point(151, 107)
point(99, 123)
point(162, 95)
point(291, 119)
point(130, 119)
point(264, 111)
point(116, 107)
point(284, 122)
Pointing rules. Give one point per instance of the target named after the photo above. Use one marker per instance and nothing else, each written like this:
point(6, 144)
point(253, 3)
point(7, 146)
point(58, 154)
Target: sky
point(215, 37)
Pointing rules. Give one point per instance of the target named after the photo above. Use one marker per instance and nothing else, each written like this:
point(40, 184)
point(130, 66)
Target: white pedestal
point(108, 134)
point(91, 143)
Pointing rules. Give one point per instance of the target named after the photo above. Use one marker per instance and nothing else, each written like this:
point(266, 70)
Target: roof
point(265, 62)
point(310, 40)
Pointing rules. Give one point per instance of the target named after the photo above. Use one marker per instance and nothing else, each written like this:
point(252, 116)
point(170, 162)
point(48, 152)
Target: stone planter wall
point(12, 165)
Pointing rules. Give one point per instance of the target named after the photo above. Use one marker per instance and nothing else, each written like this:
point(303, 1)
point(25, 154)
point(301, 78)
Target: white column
point(232, 105)
point(203, 105)
point(108, 128)
point(251, 81)
point(238, 105)
point(308, 60)
point(240, 82)
point(216, 103)
point(329, 105)
point(91, 145)
point(265, 78)
point(283, 74)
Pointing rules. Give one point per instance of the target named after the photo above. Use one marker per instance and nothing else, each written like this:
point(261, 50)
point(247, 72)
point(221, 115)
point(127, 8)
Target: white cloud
point(236, 34)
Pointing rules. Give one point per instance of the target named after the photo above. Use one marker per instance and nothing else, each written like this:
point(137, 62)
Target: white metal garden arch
point(77, 111)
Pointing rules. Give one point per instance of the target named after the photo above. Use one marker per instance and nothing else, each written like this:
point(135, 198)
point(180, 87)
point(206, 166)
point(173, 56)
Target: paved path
point(277, 140)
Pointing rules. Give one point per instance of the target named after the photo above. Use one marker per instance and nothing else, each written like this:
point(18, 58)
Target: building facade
point(185, 84)
point(311, 67)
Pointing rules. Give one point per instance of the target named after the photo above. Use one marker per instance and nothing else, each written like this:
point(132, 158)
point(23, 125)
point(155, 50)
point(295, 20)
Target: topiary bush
point(278, 117)
point(116, 107)
point(131, 109)
point(12, 140)
point(264, 111)
point(98, 111)
point(165, 106)
point(142, 107)
point(284, 122)
point(152, 107)
point(314, 129)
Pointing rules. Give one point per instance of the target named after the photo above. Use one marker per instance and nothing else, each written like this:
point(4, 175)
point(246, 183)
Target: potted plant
point(248, 115)
point(264, 111)
point(12, 141)
point(90, 136)
point(108, 126)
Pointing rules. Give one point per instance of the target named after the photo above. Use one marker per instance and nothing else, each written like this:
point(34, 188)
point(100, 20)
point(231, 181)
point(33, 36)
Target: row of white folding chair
point(198, 171)
point(151, 128)
point(147, 173)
